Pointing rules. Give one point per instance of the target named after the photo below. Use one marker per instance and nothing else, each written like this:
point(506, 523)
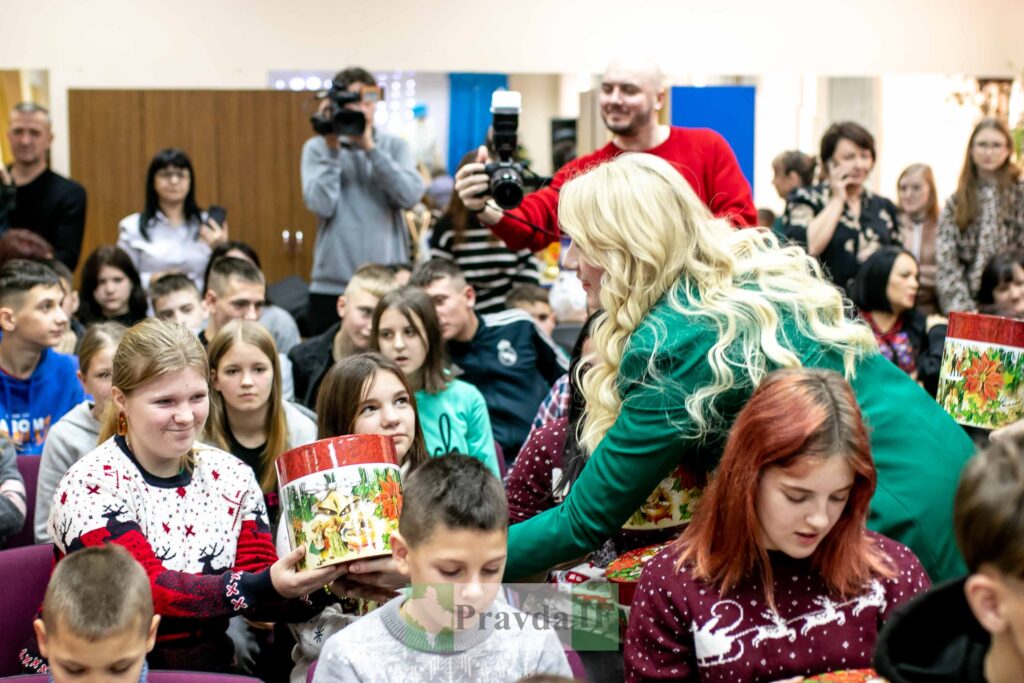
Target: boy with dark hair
point(236, 290)
point(451, 543)
point(175, 297)
point(970, 630)
point(70, 305)
point(98, 621)
point(534, 300)
point(504, 355)
point(37, 384)
point(351, 334)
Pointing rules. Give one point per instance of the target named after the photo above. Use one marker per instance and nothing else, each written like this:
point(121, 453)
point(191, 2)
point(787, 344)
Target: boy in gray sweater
point(452, 540)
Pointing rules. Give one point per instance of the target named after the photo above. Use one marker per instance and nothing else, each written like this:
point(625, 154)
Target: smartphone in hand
point(218, 214)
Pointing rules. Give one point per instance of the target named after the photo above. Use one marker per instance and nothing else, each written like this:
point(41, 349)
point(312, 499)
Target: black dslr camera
point(506, 174)
point(340, 120)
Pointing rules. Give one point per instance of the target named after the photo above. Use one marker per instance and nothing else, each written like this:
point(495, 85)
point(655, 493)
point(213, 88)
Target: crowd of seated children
point(192, 515)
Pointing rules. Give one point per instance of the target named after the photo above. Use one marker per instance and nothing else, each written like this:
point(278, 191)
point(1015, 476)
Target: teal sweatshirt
point(918, 449)
point(456, 421)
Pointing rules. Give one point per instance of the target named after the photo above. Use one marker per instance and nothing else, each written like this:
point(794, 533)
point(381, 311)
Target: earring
point(122, 424)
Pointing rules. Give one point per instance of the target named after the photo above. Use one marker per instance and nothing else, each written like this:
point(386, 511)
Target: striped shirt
point(489, 266)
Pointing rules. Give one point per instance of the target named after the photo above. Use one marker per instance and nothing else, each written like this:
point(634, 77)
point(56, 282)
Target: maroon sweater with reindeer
point(681, 629)
point(201, 536)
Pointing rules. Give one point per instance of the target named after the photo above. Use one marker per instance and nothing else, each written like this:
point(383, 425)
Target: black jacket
point(310, 362)
point(934, 638)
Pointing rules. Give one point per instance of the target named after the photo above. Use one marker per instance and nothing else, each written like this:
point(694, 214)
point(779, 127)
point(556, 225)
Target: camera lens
point(507, 187)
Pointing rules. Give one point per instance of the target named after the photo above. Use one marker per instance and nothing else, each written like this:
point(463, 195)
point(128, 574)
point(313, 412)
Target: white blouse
point(169, 247)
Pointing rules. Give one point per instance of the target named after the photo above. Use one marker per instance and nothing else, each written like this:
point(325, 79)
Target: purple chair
point(161, 677)
point(28, 465)
point(310, 671)
point(24, 573)
point(576, 664)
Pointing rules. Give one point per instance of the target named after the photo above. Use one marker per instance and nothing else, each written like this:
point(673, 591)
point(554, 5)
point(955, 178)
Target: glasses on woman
point(173, 174)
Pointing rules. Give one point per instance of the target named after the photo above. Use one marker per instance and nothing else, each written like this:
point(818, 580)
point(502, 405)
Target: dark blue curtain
point(470, 112)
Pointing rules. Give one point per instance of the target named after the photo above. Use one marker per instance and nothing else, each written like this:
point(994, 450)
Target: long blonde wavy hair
point(637, 219)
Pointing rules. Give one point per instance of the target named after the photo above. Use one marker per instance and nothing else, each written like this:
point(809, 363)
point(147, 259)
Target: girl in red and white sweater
point(777, 576)
point(193, 516)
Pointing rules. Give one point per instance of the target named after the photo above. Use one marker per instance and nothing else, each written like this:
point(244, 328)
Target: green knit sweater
point(918, 449)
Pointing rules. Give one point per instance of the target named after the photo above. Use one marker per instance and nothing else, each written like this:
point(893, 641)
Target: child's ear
point(117, 396)
point(340, 305)
point(40, 628)
point(151, 636)
point(209, 301)
point(75, 302)
point(80, 376)
point(400, 551)
point(984, 592)
point(8, 319)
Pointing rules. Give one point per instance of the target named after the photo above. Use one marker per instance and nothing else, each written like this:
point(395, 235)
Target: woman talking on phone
point(171, 233)
point(839, 220)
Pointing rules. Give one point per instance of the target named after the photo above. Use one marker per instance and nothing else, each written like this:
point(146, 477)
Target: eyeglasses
point(173, 174)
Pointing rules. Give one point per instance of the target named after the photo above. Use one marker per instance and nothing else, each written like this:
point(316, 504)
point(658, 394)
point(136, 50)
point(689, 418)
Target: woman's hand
point(839, 180)
point(211, 233)
point(290, 583)
point(375, 579)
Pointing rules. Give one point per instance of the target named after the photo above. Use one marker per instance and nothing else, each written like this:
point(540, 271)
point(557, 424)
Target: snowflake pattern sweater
point(681, 629)
point(202, 536)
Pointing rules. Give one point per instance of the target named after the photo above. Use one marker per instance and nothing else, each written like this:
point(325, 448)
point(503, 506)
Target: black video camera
point(339, 119)
point(506, 174)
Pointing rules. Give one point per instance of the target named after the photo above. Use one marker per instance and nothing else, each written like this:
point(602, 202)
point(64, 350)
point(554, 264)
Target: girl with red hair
point(777, 575)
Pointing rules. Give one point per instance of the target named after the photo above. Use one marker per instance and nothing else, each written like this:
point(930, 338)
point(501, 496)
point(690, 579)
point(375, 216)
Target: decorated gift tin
point(341, 498)
point(625, 570)
point(981, 383)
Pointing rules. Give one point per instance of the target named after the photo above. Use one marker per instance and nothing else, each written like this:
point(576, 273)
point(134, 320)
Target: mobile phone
point(217, 213)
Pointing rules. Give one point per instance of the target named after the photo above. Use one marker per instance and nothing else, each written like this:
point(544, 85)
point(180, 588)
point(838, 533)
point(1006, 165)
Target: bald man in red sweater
point(632, 93)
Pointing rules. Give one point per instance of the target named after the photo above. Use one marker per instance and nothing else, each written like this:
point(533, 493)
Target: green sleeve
point(645, 443)
point(479, 437)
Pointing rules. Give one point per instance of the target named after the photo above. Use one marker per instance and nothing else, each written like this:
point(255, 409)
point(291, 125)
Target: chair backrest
point(24, 573)
point(310, 671)
point(28, 465)
point(576, 664)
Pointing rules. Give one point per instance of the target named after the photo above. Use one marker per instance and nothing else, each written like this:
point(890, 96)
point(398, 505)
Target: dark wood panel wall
point(245, 147)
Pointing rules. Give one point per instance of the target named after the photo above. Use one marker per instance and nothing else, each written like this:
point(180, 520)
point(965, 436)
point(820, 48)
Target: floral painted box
point(981, 383)
point(341, 498)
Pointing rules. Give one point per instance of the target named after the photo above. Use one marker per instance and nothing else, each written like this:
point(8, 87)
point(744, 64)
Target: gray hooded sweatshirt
point(73, 436)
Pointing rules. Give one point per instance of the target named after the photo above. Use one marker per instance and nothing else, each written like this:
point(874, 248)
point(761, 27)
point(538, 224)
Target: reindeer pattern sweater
point(681, 629)
point(201, 535)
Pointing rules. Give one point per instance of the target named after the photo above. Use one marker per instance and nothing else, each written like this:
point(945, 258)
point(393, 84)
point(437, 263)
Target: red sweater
point(701, 155)
point(680, 629)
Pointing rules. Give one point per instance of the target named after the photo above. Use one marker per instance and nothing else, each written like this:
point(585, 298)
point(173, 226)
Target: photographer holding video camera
point(357, 181)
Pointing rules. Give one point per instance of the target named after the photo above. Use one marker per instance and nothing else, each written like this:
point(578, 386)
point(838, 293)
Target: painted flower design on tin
point(981, 385)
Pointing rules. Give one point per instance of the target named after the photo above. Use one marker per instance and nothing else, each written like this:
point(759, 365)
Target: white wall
point(232, 44)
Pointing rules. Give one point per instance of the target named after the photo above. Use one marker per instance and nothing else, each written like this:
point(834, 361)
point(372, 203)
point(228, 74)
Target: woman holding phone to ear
point(171, 233)
point(840, 221)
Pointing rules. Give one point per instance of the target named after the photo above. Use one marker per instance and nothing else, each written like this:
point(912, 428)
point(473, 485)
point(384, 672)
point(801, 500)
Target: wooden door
point(245, 147)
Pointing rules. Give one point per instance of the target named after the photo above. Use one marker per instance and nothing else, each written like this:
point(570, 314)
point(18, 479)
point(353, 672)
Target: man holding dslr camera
point(357, 181)
point(632, 93)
